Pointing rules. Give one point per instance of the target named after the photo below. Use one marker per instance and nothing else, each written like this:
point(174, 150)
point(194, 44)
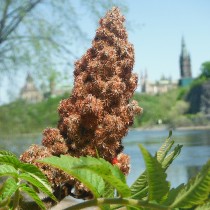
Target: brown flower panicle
point(97, 115)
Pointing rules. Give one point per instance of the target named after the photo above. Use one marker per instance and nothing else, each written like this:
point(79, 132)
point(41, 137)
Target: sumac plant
point(107, 183)
point(21, 179)
point(97, 115)
point(83, 157)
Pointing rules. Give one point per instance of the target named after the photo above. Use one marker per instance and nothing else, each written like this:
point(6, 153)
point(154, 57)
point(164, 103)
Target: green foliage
point(171, 109)
point(139, 188)
point(197, 82)
point(9, 187)
point(43, 42)
point(150, 191)
point(205, 69)
point(182, 93)
point(177, 116)
point(21, 117)
point(196, 191)
point(93, 173)
point(202, 78)
point(156, 177)
point(21, 177)
point(155, 107)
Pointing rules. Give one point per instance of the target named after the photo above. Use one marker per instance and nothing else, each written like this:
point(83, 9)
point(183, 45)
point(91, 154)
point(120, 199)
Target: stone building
point(185, 66)
point(29, 92)
point(161, 86)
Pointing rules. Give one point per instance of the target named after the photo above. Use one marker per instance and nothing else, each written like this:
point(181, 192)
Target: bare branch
point(46, 38)
point(4, 15)
point(22, 11)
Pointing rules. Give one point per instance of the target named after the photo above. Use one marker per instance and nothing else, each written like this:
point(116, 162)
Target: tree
point(12, 15)
point(205, 69)
point(38, 35)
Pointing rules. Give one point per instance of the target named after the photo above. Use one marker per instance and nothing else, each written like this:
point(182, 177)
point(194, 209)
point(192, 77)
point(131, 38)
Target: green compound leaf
point(162, 154)
point(165, 148)
point(37, 175)
point(139, 189)
point(68, 163)
point(36, 182)
point(108, 191)
point(173, 194)
point(196, 191)
point(7, 153)
point(33, 195)
point(204, 206)
point(7, 170)
point(10, 160)
point(9, 188)
point(111, 174)
point(158, 187)
point(171, 157)
point(92, 172)
point(114, 169)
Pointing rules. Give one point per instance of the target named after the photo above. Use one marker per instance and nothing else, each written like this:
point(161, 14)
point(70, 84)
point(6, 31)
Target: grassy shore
point(167, 127)
point(22, 118)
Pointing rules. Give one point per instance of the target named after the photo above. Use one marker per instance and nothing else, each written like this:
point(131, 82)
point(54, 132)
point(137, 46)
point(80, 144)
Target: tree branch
point(46, 38)
point(4, 15)
point(22, 11)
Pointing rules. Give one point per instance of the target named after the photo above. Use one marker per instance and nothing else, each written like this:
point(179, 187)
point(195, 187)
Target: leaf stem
point(121, 201)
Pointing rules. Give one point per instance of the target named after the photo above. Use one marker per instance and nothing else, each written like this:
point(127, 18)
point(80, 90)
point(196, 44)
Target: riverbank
point(202, 127)
point(152, 128)
point(166, 127)
point(20, 118)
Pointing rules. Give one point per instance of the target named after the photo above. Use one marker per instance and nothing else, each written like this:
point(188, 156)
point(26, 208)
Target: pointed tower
point(185, 65)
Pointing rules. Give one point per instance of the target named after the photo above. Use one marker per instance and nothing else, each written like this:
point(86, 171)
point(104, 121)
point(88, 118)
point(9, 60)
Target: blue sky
point(158, 42)
point(157, 29)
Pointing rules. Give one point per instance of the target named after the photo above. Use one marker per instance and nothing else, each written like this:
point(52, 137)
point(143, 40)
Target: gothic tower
point(185, 66)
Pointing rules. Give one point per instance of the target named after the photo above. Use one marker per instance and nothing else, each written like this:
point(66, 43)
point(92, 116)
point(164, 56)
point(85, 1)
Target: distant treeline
point(21, 117)
point(169, 109)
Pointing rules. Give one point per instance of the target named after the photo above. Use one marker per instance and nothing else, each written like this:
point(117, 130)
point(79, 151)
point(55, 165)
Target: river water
point(195, 151)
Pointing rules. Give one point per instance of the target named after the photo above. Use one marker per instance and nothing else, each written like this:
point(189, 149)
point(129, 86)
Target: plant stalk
point(120, 201)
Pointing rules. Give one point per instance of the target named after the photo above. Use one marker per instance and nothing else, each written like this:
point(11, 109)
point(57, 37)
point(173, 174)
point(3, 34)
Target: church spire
point(185, 62)
point(184, 49)
point(185, 66)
